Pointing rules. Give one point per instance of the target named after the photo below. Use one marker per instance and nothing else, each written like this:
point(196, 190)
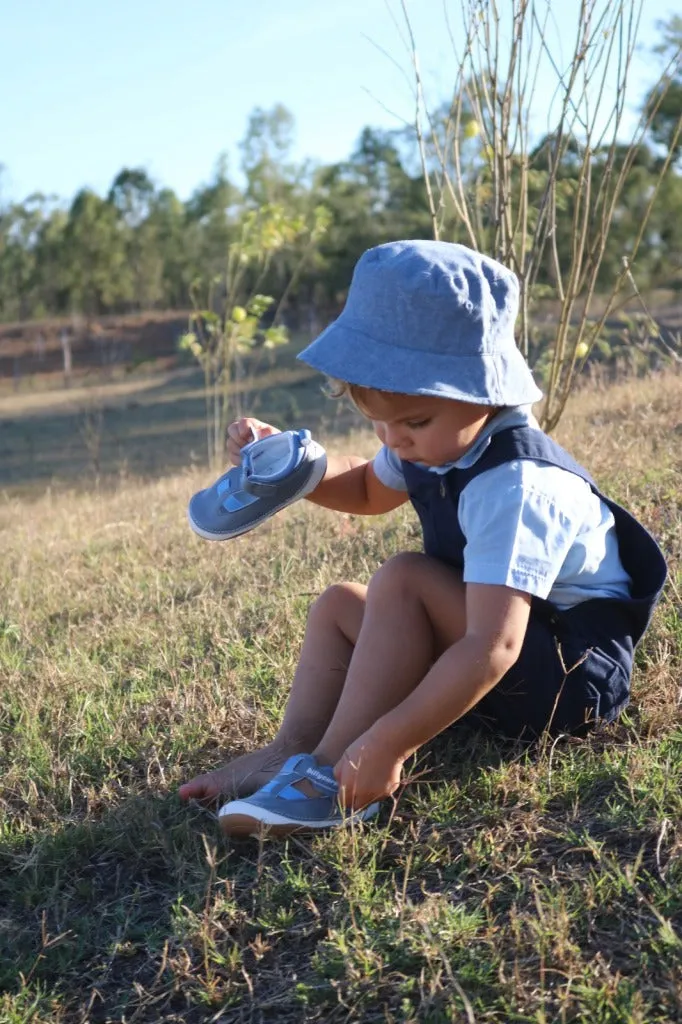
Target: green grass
point(504, 885)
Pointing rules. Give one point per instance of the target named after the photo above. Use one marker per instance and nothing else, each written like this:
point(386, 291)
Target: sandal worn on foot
point(274, 472)
point(278, 808)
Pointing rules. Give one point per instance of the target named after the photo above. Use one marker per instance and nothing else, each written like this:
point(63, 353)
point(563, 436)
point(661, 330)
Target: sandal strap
point(304, 767)
point(321, 781)
point(255, 482)
point(257, 487)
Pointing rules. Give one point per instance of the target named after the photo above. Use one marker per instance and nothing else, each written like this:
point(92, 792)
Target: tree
point(168, 219)
point(132, 197)
point(97, 271)
point(51, 295)
point(209, 221)
point(23, 226)
point(372, 199)
point(510, 199)
point(664, 102)
point(265, 149)
point(228, 320)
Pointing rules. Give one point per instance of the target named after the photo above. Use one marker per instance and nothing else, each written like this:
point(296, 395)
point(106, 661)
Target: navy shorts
point(573, 672)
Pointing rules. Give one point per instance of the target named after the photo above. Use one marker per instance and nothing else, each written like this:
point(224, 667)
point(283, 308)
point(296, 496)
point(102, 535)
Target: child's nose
point(393, 436)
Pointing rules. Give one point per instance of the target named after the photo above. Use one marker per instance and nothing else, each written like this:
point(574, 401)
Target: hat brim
point(347, 354)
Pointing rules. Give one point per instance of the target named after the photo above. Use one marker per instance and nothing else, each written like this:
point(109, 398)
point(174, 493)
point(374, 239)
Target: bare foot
point(240, 777)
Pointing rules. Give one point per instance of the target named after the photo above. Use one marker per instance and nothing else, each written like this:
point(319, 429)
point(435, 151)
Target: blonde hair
point(358, 394)
point(336, 388)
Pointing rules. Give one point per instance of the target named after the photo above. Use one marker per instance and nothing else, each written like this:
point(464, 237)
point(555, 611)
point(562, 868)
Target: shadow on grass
point(147, 914)
point(90, 912)
point(105, 914)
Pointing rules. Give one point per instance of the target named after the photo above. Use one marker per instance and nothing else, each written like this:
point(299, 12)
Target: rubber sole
point(240, 823)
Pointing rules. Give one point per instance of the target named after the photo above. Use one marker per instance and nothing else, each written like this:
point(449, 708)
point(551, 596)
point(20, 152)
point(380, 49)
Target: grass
point(132, 424)
point(504, 885)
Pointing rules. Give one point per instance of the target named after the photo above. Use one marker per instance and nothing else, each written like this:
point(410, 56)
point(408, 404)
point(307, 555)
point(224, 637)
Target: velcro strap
point(258, 487)
point(266, 485)
point(322, 781)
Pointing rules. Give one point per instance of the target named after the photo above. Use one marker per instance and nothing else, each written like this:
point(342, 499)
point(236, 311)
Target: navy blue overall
point(575, 665)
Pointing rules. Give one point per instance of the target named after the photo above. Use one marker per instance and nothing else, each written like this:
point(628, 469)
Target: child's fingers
point(247, 429)
point(244, 430)
point(346, 776)
point(234, 446)
point(241, 431)
point(262, 429)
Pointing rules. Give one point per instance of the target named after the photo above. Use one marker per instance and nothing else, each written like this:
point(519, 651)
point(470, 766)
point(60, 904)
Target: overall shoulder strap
point(639, 552)
point(530, 443)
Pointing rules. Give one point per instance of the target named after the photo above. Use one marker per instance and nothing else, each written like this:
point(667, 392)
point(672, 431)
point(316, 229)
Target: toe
point(203, 787)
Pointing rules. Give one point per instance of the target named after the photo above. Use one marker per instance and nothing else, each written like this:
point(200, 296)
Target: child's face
point(419, 428)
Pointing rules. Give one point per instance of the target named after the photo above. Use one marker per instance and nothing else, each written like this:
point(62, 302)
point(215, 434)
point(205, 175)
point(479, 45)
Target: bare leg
point(333, 626)
point(365, 650)
point(415, 609)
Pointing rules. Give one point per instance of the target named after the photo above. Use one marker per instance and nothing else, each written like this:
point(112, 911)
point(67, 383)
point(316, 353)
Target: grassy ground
point(504, 885)
point(134, 424)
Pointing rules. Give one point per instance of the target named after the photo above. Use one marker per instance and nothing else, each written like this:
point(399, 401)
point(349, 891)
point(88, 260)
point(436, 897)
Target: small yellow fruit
point(471, 129)
point(239, 314)
point(581, 350)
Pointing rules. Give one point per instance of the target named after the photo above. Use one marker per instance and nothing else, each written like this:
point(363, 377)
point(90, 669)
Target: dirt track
point(31, 353)
point(35, 350)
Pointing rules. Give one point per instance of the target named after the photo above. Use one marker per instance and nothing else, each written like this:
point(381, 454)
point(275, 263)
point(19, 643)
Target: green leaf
point(275, 336)
point(187, 341)
point(259, 304)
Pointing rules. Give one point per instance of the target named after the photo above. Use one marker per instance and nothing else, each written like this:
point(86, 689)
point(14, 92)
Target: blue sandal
point(278, 808)
point(274, 472)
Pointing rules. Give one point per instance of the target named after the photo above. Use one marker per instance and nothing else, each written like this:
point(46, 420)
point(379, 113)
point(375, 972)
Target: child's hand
point(242, 432)
point(366, 772)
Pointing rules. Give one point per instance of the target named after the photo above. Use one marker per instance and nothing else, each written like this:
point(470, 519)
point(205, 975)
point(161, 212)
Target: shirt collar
point(513, 416)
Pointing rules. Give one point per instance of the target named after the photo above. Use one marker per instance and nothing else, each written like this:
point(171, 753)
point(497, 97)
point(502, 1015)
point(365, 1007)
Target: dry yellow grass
point(133, 654)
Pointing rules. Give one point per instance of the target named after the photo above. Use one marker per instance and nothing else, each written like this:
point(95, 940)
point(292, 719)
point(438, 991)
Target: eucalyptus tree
point(179, 266)
point(22, 232)
point(372, 198)
point(271, 176)
point(209, 221)
point(97, 273)
point(132, 196)
point(664, 102)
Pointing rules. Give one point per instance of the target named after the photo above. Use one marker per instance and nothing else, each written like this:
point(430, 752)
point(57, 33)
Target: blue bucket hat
point(429, 318)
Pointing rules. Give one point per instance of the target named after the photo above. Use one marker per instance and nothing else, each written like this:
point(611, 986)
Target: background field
point(504, 885)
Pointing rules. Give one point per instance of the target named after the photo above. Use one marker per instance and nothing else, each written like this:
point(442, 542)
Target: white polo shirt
point(528, 525)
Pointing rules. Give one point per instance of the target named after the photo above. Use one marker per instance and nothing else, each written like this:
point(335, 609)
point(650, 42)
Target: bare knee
point(432, 586)
point(341, 605)
point(399, 575)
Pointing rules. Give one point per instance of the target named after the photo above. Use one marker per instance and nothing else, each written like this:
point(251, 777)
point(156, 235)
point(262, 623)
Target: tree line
point(141, 247)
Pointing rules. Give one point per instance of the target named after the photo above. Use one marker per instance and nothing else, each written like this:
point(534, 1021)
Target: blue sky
point(87, 88)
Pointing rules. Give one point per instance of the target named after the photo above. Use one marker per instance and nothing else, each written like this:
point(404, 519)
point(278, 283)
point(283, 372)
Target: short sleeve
point(520, 520)
point(389, 470)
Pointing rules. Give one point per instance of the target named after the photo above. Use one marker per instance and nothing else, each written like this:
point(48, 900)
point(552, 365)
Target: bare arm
point(351, 485)
point(497, 618)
